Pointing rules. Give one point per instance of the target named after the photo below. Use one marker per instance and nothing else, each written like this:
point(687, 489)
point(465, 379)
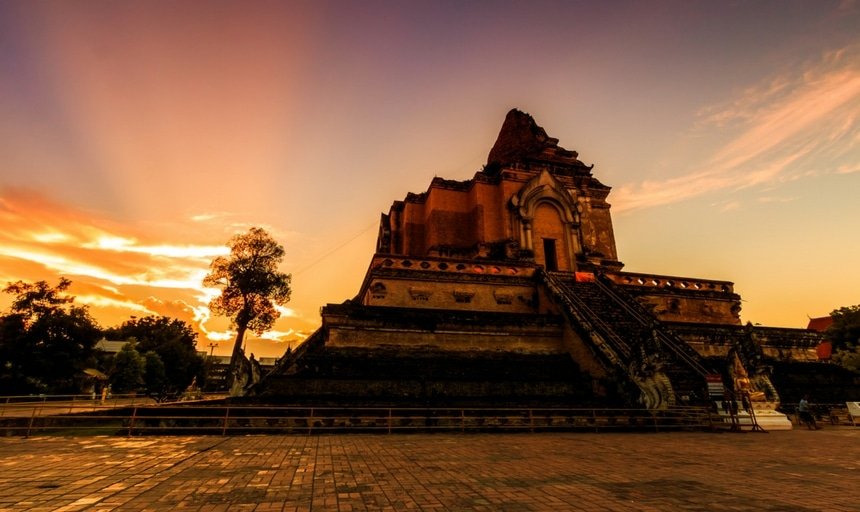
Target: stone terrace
point(793, 470)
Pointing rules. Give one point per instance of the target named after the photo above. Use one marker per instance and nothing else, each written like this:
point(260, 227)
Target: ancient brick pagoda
point(507, 288)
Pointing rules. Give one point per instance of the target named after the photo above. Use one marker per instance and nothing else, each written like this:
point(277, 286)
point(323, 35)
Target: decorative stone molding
point(677, 283)
point(378, 290)
point(461, 267)
point(463, 296)
point(546, 189)
point(422, 294)
point(503, 297)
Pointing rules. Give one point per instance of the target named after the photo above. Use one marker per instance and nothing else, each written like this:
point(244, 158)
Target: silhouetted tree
point(155, 376)
point(128, 369)
point(845, 329)
point(251, 286)
point(844, 334)
point(45, 340)
point(173, 340)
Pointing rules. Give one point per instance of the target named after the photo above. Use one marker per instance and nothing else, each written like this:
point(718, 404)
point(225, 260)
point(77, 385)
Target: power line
point(337, 248)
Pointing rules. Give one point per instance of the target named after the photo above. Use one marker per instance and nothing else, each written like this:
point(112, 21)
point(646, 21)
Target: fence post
point(32, 419)
point(389, 421)
point(531, 422)
point(226, 419)
point(131, 421)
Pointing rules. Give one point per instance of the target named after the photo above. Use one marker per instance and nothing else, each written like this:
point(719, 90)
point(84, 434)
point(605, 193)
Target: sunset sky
point(137, 137)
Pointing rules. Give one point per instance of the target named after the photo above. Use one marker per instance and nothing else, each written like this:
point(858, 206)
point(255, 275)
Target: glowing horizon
point(151, 279)
point(136, 138)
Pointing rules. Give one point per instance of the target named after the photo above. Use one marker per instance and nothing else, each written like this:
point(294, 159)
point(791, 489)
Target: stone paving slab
point(795, 470)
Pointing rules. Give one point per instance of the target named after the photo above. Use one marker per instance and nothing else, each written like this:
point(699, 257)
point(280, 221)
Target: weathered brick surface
point(795, 470)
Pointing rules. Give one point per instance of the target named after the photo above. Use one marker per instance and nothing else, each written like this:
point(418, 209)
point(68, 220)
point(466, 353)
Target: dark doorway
point(550, 258)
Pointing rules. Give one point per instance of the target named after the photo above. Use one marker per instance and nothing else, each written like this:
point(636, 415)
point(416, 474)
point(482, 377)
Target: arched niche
point(547, 221)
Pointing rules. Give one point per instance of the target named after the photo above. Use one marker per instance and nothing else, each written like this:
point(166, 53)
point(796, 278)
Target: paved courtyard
point(796, 470)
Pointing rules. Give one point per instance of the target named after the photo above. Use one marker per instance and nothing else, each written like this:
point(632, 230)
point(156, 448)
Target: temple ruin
point(507, 289)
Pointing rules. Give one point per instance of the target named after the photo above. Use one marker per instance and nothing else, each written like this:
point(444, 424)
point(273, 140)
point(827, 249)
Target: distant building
point(217, 367)
point(110, 346)
point(824, 350)
point(820, 324)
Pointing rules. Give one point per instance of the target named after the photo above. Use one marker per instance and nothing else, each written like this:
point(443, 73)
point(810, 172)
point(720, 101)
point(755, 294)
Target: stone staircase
point(629, 340)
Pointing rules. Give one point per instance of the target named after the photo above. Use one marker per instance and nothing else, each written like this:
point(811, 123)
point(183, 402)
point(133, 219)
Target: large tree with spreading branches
point(46, 341)
point(251, 286)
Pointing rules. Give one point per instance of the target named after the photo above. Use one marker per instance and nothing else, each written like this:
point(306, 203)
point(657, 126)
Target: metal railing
point(41, 405)
point(26, 405)
point(258, 419)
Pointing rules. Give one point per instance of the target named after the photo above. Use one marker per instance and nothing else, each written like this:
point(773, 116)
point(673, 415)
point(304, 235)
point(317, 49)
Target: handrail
point(674, 343)
point(555, 287)
point(309, 420)
point(82, 397)
point(605, 327)
point(647, 320)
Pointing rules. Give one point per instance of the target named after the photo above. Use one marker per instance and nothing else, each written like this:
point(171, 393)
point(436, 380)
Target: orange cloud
point(809, 115)
point(117, 270)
